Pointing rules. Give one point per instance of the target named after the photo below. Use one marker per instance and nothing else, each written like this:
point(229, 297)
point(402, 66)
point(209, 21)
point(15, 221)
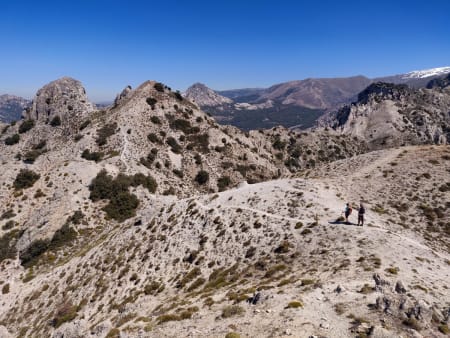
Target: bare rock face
point(204, 96)
point(394, 115)
point(119, 98)
point(64, 98)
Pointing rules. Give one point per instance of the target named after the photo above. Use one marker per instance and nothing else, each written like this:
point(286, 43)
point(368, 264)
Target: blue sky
point(224, 44)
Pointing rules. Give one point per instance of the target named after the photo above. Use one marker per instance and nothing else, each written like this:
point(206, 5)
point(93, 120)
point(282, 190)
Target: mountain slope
point(188, 266)
point(393, 115)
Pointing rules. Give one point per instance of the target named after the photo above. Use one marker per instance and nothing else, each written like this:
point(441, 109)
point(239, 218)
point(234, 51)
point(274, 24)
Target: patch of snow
point(420, 74)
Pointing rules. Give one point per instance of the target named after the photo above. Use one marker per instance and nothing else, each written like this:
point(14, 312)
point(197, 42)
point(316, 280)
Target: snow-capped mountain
point(420, 74)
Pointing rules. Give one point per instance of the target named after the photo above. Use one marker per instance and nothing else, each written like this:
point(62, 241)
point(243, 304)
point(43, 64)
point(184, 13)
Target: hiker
point(347, 211)
point(361, 212)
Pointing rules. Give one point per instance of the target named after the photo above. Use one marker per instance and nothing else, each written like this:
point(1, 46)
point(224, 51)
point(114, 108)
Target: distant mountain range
point(11, 107)
point(295, 103)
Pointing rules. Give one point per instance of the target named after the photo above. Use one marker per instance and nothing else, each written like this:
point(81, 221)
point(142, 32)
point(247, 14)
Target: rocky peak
point(204, 96)
point(383, 90)
point(122, 95)
point(65, 98)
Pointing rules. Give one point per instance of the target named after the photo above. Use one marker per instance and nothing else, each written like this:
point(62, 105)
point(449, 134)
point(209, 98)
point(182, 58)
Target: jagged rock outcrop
point(64, 98)
point(119, 98)
point(393, 115)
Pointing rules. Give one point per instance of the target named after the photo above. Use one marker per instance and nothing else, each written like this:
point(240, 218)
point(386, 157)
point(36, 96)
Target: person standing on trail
point(347, 211)
point(361, 212)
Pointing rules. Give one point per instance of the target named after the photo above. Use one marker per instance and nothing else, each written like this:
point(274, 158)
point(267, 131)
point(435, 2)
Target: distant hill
point(295, 103)
point(11, 107)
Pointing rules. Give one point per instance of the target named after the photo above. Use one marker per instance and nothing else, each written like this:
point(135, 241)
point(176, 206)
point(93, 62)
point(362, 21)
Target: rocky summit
point(149, 219)
point(11, 107)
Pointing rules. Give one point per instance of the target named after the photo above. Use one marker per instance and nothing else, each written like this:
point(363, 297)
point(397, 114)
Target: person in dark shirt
point(361, 212)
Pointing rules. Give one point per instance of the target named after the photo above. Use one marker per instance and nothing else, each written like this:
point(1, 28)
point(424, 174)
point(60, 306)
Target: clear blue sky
point(225, 44)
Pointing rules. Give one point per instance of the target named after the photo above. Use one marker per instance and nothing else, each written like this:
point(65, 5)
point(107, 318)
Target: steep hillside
point(185, 267)
point(392, 115)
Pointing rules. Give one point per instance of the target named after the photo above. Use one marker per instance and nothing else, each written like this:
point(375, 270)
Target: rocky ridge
point(393, 115)
point(138, 221)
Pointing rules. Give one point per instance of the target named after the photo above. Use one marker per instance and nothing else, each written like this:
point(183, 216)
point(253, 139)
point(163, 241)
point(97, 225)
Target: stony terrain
point(139, 221)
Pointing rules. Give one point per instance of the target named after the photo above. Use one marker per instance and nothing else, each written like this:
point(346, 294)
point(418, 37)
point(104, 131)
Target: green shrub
point(122, 204)
point(26, 125)
point(30, 255)
point(11, 140)
point(199, 142)
point(443, 328)
point(76, 217)
point(178, 96)
point(62, 237)
point(9, 225)
point(84, 124)
point(178, 173)
point(8, 244)
point(155, 119)
point(232, 310)
point(202, 177)
point(5, 289)
point(25, 179)
point(148, 161)
point(152, 137)
point(174, 146)
point(159, 87)
point(184, 126)
point(105, 132)
point(151, 102)
point(232, 335)
point(294, 304)
point(94, 156)
point(153, 288)
point(8, 214)
point(31, 155)
point(113, 333)
point(223, 182)
point(66, 312)
point(56, 121)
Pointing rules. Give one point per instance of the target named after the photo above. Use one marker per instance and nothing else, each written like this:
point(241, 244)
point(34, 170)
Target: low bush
point(25, 179)
point(174, 146)
point(151, 102)
point(56, 121)
point(94, 156)
point(152, 137)
point(9, 225)
point(294, 304)
point(159, 87)
point(31, 155)
point(26, 125)
point(223, 182)
point(232, 310)
point(11, 140)
point(5, 289)
point(202, 177)
point(155, 119)
point(199, 142)
point(8, 244)
point(66, 312)
point(105, 132)
point(122, 204)
point(184, 126)
point(84, 124)
point(30, 255)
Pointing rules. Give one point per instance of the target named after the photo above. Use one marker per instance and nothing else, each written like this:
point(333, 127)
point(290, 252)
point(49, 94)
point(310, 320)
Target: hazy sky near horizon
point(224, 44)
